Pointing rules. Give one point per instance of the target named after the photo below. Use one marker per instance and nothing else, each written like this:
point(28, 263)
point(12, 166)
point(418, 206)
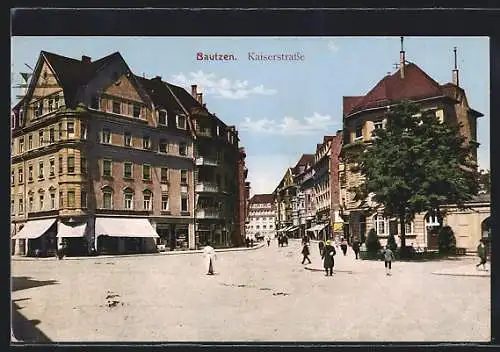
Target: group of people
point(282, 240)
point(328, 252)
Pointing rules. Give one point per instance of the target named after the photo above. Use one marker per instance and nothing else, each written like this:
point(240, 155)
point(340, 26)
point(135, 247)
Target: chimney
point(199, 97)
point(402, 60)
point(157, 78)
point(86, 59)
point(455, 70)
point(194, 90)
point(204, 105)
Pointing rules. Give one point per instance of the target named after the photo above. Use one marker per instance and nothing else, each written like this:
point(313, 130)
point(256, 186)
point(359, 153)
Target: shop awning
point(318, 227)
point(12, 229)
point(124, 227)
point(66, 231)
point(285, 229)
point(292, 228)
point(34, 228)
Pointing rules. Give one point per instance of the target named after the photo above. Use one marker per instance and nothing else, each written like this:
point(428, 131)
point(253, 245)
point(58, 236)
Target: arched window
point(128, 196)
point(148, 199)
point(107, 197)
point(381, 225)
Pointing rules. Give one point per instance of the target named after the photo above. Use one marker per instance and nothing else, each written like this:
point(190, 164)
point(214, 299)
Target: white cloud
point(208, 83)
point(265, 172)
point(332, 46)
point(291, 126)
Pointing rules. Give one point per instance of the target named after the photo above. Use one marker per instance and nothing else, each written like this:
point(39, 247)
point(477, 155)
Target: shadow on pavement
point(25, 282)
point(25, 330)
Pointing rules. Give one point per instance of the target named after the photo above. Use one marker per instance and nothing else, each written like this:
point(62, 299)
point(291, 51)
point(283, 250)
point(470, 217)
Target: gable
point(122, 87)
point(46, 83)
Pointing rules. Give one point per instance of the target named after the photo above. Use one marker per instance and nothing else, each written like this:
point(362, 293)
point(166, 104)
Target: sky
point(281, 109)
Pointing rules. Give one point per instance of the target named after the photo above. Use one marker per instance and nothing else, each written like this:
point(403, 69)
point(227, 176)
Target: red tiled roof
point(262, 198)
point(350, 102)
point(305, 159)
point(416, 84)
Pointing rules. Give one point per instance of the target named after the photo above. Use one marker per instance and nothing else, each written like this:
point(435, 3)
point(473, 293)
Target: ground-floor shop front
point(217, 233)
point(83, 236)
point(175, 234)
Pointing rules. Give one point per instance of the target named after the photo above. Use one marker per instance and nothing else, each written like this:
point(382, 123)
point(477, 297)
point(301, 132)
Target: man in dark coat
point(328, 261)
point(305, 253)
point(355, 248)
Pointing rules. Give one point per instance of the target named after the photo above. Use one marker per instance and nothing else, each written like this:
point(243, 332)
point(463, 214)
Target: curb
point(461, 274)
point(197, 251)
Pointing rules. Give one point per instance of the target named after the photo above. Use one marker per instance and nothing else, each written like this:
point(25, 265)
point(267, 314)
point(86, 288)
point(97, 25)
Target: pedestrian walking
point(343, 246)
point(251, 242)
point(481, 253)
point(210, 257)
point(388, 258)
point(247, 241)
point(305, 253)
point(321, 246)
point(268, 240)
point(328, 261)
point(355, 248)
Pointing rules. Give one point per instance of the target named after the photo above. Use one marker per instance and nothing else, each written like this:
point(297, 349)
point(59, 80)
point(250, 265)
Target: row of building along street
point(314, 196)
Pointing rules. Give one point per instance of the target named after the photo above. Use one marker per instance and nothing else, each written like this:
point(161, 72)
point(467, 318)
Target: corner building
point(364, 114)
point(102, 159)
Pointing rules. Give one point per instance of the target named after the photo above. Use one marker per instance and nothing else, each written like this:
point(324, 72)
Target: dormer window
point(117, 107)
point(38, 109)
point(51, 105)
point(162, 117)
point(136, 110)
point(181, 122)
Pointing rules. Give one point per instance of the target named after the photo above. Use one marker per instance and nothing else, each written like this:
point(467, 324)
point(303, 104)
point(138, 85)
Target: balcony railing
point(206, 187)
point(208, 213)
point(201, 160)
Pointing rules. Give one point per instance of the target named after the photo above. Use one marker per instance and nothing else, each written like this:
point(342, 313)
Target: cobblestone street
point(258, 295)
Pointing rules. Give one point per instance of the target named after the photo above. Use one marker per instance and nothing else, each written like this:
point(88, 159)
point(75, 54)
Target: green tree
point(415, 164)
point(391, 243)
point(372, 242)
point(447, 240)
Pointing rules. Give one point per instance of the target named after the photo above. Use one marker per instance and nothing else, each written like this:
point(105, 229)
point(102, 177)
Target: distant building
point(261, 216)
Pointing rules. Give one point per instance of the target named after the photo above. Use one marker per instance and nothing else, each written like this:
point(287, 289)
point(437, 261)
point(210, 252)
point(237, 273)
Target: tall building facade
point(107, 161)
point(261, 216)
point(243, 196)
point(364, 114)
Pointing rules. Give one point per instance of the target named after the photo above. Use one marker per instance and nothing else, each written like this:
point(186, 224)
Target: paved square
point(257, 295)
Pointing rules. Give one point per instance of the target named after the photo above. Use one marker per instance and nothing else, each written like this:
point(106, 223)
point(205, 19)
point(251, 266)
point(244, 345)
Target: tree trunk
point(403, 235)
